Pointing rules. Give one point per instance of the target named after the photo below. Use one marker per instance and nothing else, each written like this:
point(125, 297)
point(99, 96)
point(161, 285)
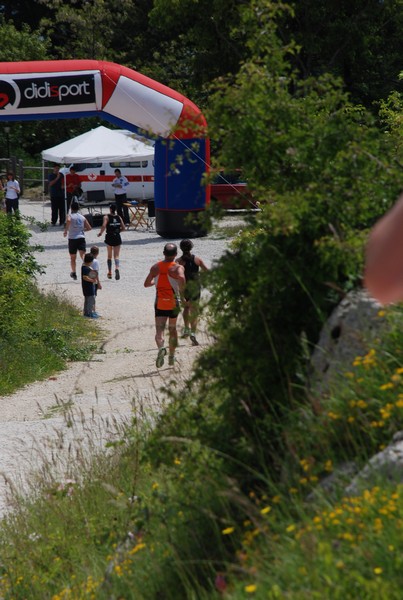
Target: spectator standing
point(113, 224)
point(12, 193)
point(75, 228)
point(192, 265)
point(120, 184)
point(56, 192)
point(73, 186)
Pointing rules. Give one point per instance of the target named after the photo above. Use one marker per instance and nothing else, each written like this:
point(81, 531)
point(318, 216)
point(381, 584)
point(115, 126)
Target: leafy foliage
point(40, 333)
point(324, 173)
point(85, 30)
point(358, 41)
point(172, 515)
point(21, 43)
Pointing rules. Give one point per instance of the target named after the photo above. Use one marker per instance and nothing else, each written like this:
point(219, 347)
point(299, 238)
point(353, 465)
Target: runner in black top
point(192, 265)
point(113, 225)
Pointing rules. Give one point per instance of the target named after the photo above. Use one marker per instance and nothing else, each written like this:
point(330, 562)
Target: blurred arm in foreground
point(384, 257)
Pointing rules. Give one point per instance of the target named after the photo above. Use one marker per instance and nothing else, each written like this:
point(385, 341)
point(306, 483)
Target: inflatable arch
point(86, 88)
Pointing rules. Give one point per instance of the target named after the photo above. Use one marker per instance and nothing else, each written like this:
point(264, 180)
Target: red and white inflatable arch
point(83, 88)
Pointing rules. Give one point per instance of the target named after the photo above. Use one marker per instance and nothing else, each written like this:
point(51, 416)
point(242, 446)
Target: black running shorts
point(76, 245)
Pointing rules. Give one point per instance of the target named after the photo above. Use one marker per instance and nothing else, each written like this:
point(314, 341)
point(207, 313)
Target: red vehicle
point(229, 191)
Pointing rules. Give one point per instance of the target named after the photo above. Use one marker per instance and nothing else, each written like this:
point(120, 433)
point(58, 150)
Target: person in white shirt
point(12, 189)
point(120, 184)
point(75, 227)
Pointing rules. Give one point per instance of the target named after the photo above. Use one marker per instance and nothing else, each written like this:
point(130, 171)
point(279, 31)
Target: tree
point(202, 38)
point(86, 28)
point(22, 43)
point(358, 41)
point(324, 172)
point(23, 12)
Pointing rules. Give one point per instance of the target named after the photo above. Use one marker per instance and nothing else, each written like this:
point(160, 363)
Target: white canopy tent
point(98, 145)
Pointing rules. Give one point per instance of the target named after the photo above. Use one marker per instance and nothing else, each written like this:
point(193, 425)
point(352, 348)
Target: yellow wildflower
point(250, 589)
point(305, 464)
point(378, 571)
point(228, 530)
point(137, 548)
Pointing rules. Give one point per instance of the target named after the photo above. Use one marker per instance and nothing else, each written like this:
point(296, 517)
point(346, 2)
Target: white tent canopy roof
point(100, 145)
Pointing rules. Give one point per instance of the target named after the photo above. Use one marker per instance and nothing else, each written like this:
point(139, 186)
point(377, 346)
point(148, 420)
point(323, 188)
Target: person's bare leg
point(73, 265)
point(193, 317)
point(186, 320)
point(116, 254)
point(160, 323)
point(109, 262)
point(173, 340)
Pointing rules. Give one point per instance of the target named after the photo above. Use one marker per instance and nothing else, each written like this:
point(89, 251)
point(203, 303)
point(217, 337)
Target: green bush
point(36, 331)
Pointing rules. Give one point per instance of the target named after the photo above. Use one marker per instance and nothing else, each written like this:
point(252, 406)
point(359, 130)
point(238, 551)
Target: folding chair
point(137, 212)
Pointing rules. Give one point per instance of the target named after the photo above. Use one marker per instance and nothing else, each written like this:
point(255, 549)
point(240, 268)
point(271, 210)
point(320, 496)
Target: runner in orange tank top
point(169, 280)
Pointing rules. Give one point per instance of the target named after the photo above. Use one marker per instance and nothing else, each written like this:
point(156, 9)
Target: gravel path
point(104, 391)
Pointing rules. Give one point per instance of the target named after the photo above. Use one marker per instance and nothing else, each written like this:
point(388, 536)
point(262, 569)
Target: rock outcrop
point(386, 466)
point(347, 334)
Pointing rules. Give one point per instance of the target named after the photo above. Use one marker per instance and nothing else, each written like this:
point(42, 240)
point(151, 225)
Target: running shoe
point(193, 340)
point(73, 276)
point(160, 358)
point(171, 360)
point(94, 315)
point(109, 275)
point(185, 332)
point(117, 274)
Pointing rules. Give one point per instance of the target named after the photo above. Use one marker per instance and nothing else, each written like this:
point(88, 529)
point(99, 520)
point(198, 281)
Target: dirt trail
point(103, 389)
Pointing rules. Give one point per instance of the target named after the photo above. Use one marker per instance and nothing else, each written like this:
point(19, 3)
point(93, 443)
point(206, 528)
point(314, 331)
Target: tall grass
point(153, 513)
point(38, 333)
point(55, 335)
